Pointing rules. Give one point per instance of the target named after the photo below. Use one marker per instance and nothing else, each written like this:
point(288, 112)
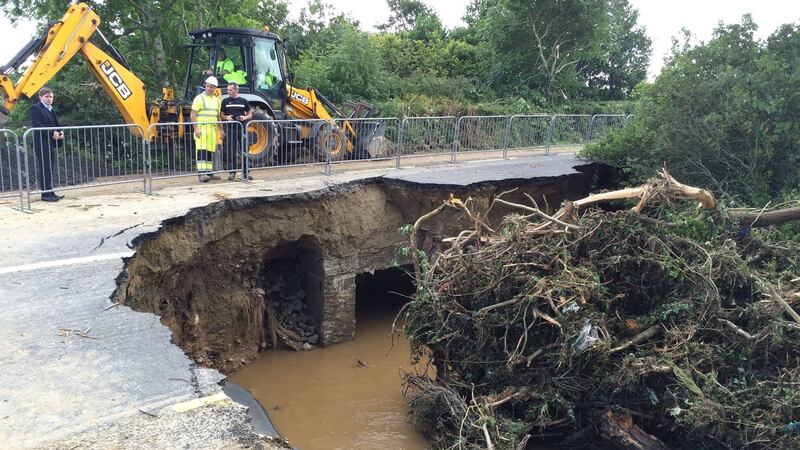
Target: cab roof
point(199, 34)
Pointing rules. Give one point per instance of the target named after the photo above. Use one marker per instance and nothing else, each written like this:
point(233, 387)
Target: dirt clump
point(653, 328)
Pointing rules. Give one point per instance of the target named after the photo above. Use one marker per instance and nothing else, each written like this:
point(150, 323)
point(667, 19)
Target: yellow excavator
point(254, 59)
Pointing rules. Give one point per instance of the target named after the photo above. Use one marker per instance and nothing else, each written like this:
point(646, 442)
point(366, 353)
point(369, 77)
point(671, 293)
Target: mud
point(206, 273)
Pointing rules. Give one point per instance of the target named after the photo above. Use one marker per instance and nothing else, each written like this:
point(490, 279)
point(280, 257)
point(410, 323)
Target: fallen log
point(767, 218)
point(640, 338)
point(669, 187)
point(663, 185)
point(619, 429)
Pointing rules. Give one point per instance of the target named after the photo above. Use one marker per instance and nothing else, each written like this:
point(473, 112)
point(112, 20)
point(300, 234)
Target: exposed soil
point(217, 276)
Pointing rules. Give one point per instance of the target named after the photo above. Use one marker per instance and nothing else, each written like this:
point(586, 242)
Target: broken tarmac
point(82, 372)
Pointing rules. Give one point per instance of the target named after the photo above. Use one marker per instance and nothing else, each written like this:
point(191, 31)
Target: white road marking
point(65, 262)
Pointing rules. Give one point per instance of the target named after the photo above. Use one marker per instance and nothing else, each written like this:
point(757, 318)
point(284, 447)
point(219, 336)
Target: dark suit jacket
point(42, 118)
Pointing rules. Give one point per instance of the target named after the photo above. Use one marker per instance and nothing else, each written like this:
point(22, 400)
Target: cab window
point(231, 62)
point(267, 66)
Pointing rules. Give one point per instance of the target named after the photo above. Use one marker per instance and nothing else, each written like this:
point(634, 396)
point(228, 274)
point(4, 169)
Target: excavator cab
point(251, 58)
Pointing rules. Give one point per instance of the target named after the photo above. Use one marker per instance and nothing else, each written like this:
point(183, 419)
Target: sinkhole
point(235, 279)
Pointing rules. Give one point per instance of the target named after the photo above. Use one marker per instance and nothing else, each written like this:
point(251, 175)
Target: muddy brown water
point(325, 399)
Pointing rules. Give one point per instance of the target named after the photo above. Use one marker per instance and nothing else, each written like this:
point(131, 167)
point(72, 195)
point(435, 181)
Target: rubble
point(283, 292)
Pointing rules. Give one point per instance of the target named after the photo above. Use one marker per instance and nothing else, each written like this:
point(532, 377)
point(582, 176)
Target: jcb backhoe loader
point(260, 69)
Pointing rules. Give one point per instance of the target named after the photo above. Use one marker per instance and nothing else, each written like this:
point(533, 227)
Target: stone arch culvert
point(238, 276)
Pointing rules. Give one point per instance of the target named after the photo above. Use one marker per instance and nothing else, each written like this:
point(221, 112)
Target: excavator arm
point(55, 49)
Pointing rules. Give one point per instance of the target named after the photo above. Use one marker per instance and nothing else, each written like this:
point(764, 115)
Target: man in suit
point(45, 142)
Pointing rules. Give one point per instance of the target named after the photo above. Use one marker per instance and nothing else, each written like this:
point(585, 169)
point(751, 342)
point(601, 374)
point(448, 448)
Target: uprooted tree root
point(639, 325)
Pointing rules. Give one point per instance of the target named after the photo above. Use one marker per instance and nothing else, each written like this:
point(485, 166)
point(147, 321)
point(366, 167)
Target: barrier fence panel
point(426, 136)
point(602, 124)
point(12, 167)
point(568, 130)
point(84, 156)
point(173, 150)
point(527, 132)
point(370, 138)
point(481, 133)
point(273, 143)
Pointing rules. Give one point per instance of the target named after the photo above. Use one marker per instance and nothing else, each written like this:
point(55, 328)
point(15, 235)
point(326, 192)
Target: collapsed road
point(116, 310)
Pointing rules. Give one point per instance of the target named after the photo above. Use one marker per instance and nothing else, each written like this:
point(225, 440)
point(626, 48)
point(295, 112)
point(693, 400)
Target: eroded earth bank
point(222, 276)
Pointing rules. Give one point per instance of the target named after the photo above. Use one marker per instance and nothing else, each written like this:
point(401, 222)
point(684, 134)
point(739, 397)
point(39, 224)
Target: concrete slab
point(76, 367)
point(471, 173)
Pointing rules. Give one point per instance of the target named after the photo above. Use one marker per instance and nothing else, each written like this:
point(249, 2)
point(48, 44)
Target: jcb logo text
point(302, 99)
point(116, 80)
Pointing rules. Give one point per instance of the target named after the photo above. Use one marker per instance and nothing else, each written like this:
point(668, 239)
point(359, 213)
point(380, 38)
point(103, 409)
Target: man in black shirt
point(238, 109)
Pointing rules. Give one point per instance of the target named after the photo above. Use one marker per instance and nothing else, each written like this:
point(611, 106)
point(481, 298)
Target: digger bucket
point(369, 141)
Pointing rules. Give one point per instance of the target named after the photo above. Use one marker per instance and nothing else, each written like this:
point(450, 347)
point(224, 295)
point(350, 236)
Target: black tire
point(263, 138)
point(329, 140)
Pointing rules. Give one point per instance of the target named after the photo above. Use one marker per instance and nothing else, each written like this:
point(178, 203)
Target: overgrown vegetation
point(545, 328)
point(513, 56)
point(722, 114)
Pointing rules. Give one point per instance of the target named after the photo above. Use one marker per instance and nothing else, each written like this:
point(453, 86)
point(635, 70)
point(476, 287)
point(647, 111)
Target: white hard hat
point(212, 81)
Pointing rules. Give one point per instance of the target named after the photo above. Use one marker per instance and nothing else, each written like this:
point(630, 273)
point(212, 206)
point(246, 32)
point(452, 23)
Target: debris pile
point(286, 308)
point(649, 328)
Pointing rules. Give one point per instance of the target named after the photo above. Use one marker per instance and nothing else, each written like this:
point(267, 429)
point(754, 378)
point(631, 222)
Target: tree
point(347, 68)
point(536, 45)
point(722, 114)
point(622, 57)
point(318, 26)
point(415, 18)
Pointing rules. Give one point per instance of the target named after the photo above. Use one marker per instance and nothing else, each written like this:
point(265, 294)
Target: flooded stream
point(347, 396)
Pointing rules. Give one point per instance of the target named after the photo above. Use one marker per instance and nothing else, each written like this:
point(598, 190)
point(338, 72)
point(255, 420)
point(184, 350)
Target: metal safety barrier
point(287, 143)
point(602, 124)
point(480, 134)
point(113, 154)
point(11, 167)
point(173, 153)
point(67, 158)
point(427, 136)
point(375, 139)
point(568, 130)
point(527, 132)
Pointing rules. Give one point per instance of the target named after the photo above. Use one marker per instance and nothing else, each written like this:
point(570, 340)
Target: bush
point(722, 115)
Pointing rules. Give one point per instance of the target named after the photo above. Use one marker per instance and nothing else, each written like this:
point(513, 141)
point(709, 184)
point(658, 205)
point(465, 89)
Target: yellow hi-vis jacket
point(207, 108)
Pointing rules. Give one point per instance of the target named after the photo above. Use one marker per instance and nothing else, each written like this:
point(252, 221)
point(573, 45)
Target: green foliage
point(722, 114)
point(411, 66)
point(414, 17)
point(621, 59)
point(563, 49)
point(349, 67)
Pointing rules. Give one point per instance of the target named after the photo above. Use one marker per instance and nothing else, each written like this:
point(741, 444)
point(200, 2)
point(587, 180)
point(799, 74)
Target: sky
point(662, 19)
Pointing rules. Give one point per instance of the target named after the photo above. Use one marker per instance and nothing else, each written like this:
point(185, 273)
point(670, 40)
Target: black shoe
point(247, 177)
point(51, 197)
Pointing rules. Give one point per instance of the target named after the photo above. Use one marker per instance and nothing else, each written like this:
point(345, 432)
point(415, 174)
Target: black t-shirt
point(235, 107)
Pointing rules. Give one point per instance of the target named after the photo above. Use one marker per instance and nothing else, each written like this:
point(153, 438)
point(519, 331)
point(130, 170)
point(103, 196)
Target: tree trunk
point(151, 27)
point(769, 218)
